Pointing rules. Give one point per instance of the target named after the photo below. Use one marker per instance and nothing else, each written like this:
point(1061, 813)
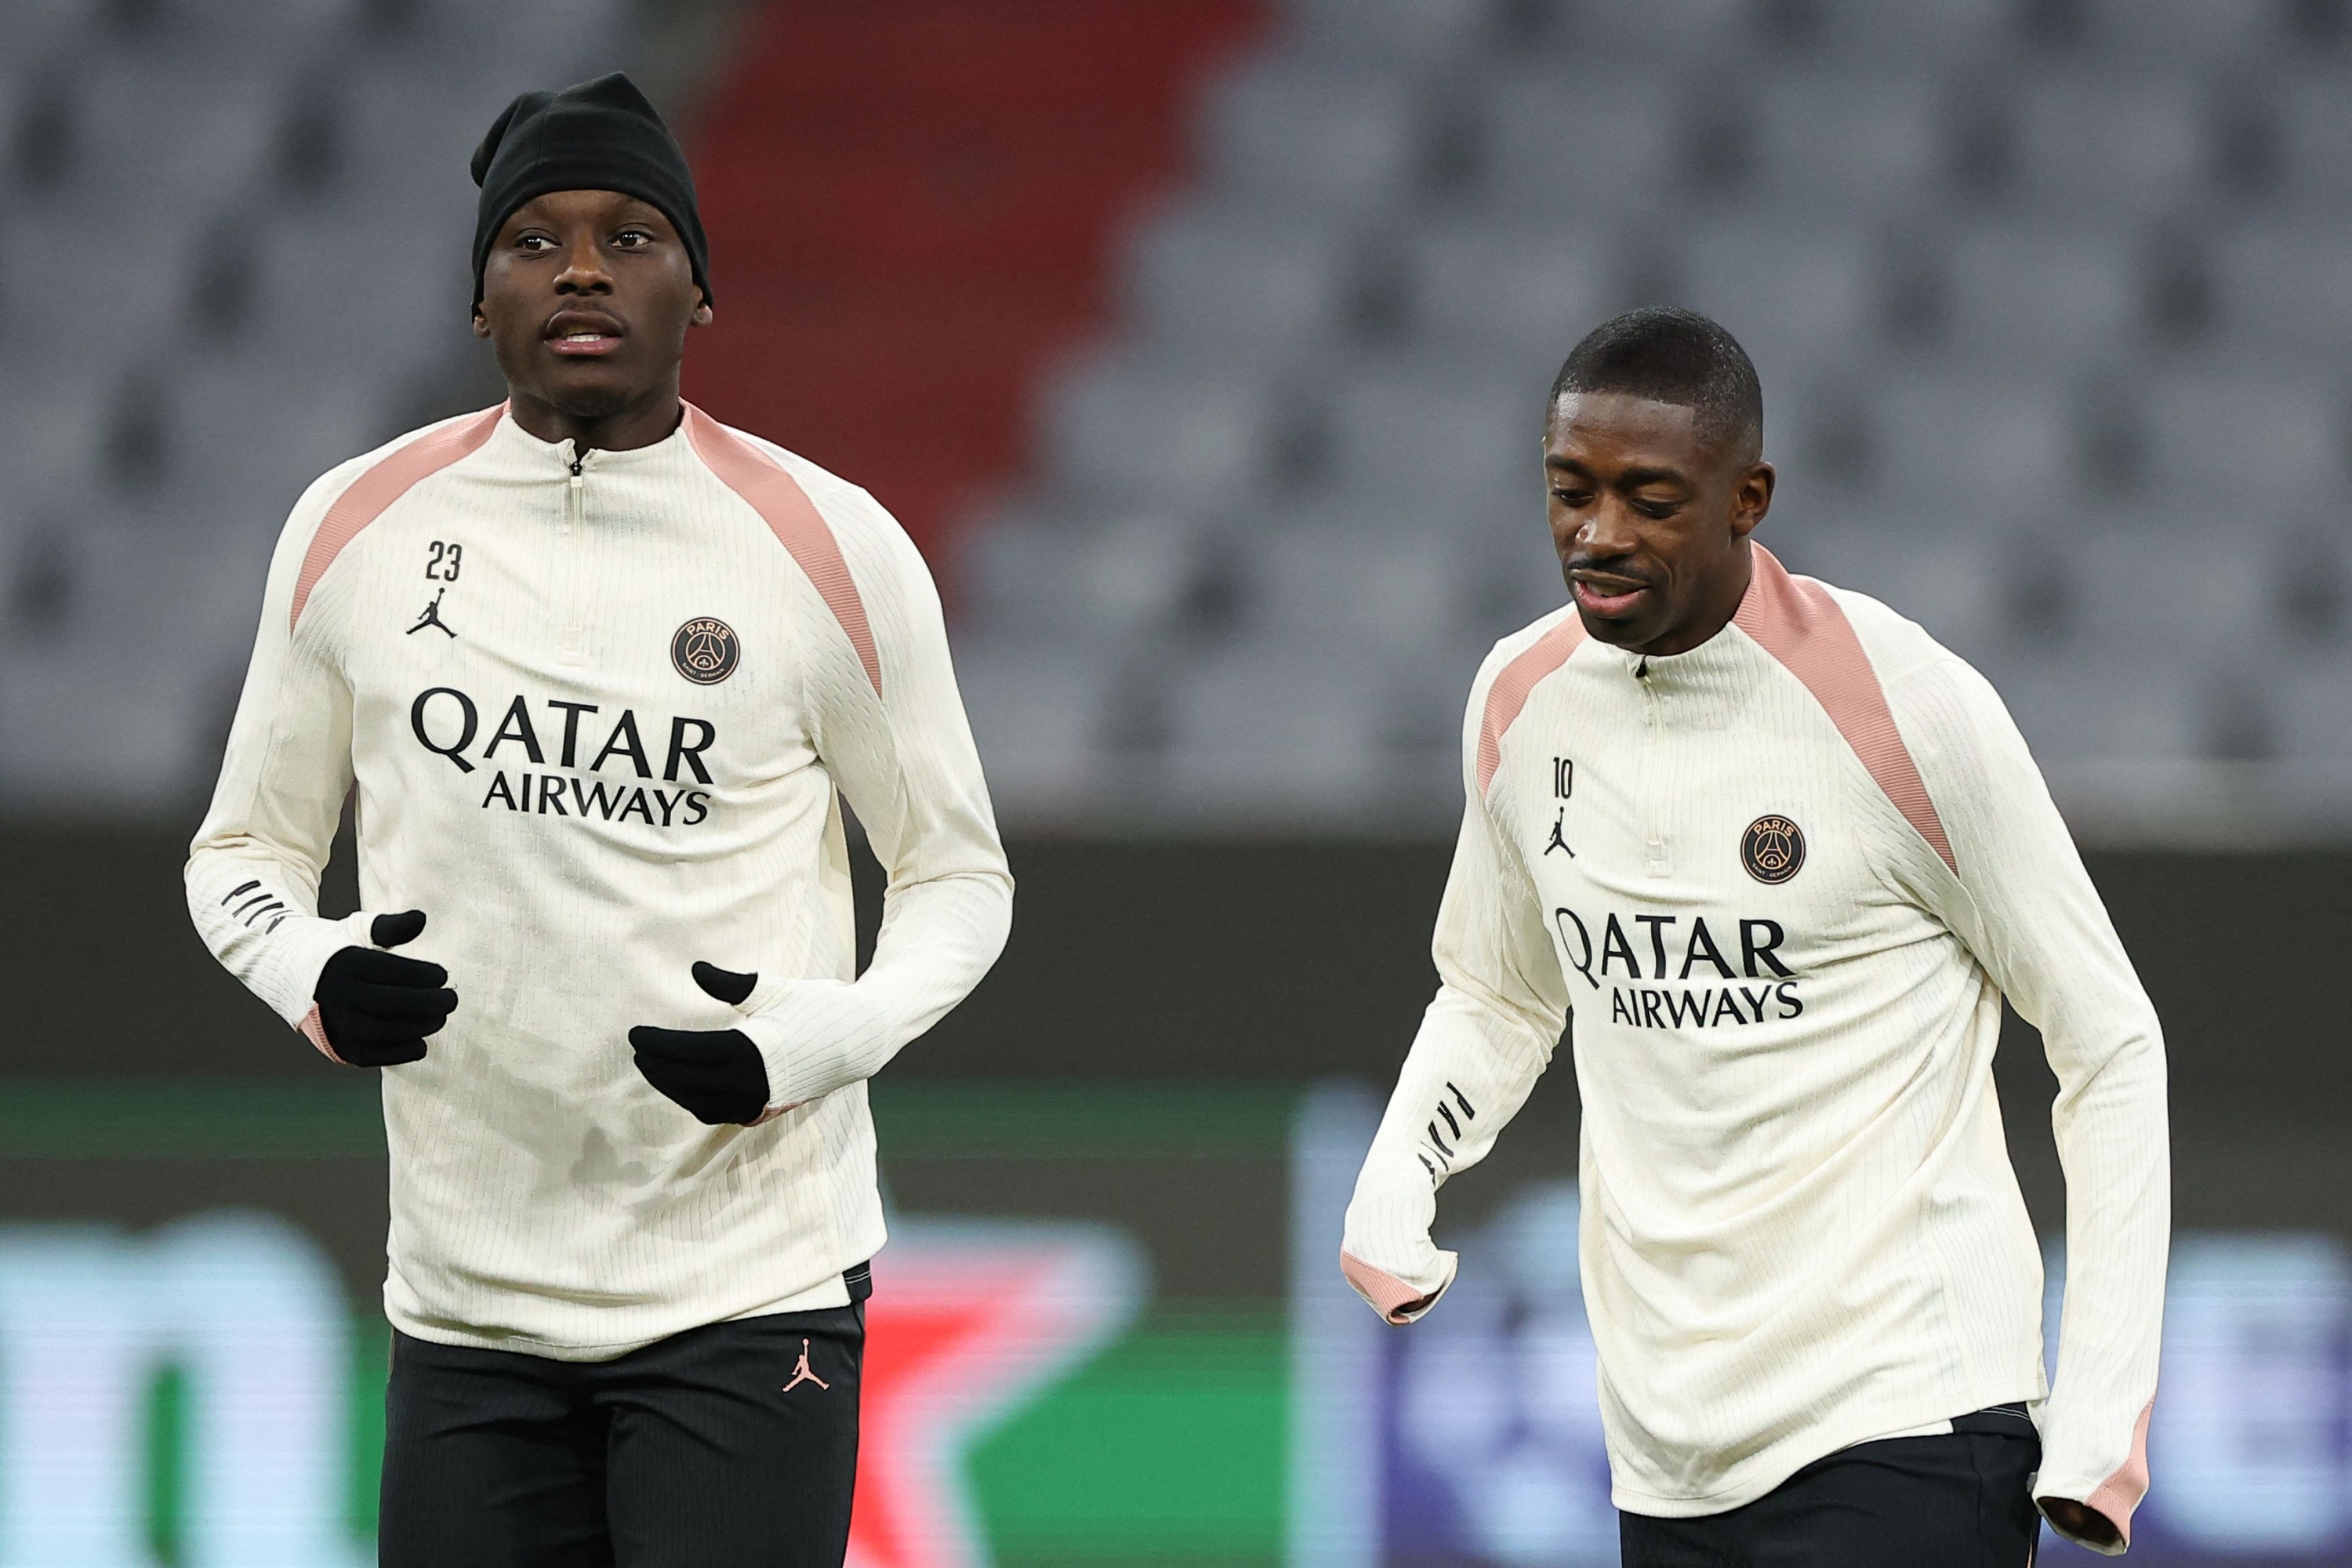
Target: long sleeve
point(904, 758)
point(1485, 1040)
point(2027, 910)
point(253, 870)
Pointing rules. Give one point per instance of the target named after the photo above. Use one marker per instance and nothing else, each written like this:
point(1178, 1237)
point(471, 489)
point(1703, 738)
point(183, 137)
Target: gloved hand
point(715, 1074)
point(376, 1007)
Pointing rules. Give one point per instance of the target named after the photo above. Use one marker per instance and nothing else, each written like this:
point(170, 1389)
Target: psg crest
point(705, 650)
point(1773, 850)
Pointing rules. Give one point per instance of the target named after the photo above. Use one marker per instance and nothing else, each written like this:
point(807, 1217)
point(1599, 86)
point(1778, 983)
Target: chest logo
point(705, 650)
point(431, 617)
point(1773, 850)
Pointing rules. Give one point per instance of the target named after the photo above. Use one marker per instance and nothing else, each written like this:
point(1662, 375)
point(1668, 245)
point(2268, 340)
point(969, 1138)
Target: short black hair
point(1668, 354)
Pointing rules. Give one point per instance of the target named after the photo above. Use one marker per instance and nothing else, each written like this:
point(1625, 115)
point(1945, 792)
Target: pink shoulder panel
point(1511, 687)
point(368, 496)
point(1796, 621)
point(793, 519)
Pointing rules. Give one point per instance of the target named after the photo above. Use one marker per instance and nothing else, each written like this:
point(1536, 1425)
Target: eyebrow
point(1632, 479)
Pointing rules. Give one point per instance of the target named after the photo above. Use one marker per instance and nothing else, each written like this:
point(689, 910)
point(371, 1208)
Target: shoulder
point(1511, 671)
point(750, 464)
point(1895, 644)
point(340, 503)
point(1532, 652)
point(1925, 682)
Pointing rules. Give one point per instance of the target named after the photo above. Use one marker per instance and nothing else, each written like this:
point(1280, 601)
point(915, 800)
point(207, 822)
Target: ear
point(702, 317)
point(481, 323)
point(1751, 497)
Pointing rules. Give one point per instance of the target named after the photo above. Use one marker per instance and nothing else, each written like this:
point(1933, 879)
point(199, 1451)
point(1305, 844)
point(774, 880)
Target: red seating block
point(912, 206)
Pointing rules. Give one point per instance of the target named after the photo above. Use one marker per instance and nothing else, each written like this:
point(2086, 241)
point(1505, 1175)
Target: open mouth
point(1609, 596)
point(579, 334)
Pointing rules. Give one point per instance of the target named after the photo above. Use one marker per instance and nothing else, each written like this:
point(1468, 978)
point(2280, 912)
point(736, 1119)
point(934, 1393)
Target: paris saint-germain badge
point(705, 650)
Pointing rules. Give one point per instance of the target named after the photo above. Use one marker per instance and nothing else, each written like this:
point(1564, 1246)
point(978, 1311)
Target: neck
point(1713, 610)
point(641, 422)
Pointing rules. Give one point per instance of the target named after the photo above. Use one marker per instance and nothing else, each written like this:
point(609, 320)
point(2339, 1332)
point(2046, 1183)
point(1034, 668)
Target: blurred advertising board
point(1107, 1332)
point(1061, 1370)
point(1475, 1436)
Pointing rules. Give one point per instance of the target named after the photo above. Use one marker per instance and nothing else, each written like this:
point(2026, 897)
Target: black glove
point(377, 1007)
point(716, 1074)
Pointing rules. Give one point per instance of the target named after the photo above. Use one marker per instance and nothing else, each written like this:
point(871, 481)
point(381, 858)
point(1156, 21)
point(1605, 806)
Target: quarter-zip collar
point(564, 460)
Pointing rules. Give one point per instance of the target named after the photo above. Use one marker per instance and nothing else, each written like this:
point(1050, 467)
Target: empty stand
point(233, 255)
point(912, 206)
point(2050, 299)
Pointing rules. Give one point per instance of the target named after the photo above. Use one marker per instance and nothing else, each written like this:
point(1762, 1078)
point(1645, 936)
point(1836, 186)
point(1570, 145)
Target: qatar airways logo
point(1703, 976)
point(447, 722)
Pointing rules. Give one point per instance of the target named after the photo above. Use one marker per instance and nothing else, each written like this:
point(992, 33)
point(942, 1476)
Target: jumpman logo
point(804, 1372)
point(1557, 842)
point(431, 617)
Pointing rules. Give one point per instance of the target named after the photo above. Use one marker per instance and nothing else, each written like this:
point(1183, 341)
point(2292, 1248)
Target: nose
point(583, 270)
point(1608, 530)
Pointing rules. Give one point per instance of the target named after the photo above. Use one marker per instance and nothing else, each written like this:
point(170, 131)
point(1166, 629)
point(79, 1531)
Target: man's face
point(1651, 522)
point(587, 298)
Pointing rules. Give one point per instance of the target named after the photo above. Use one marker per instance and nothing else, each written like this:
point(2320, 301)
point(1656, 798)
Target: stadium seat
point(1278, 736)
point(1418, 431)
point(32, 31)
point(2198, 35)
point(1324, 580)
point(1657, 29)
point(2284, 291)
point(2084, 144)
point(2094, 710)
point(1040, 718)
point(2242, 440)
point(1402, 30)
point(2048, 293)
point(1512, 293)
point(1831, 142)
point(1194, 437)
point(1297, 131)
point(1212, 281)
point(1107, 583)
point(1975, 441)
point(1909, 39)
point(1796, 298)
point(2313, 129)
point(1558, 141)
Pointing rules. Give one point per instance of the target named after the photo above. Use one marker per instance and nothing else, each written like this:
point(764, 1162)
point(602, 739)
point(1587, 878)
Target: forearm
point(1470, 1069)
point(939, 939)
point(258, 914)
point(2113, 1141)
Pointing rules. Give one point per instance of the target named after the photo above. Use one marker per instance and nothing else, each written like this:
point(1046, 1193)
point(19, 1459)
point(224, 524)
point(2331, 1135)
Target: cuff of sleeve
point(2116, 1498)
point(2123, 1527)
point(1397, 1300)
point(815, 1037)
point(302, 951)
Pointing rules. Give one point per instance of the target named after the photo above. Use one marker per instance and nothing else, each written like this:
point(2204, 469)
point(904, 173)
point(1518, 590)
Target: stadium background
point(1200, 343)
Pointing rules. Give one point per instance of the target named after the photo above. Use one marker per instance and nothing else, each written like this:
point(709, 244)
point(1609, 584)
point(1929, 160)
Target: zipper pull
point(577, 480)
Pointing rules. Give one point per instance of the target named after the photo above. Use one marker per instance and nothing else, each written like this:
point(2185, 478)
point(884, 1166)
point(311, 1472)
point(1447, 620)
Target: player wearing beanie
point(603, 672)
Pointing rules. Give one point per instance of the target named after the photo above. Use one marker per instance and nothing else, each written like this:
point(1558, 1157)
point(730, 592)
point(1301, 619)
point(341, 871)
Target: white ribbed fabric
point(580, 820)
point(1800, 1227)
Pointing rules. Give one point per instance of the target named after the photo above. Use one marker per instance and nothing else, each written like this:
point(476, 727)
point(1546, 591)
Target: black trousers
point(733, 1446)
point(1957, 1501)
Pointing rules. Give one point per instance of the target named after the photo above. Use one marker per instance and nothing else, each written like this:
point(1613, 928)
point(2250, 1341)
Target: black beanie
point(600, 135)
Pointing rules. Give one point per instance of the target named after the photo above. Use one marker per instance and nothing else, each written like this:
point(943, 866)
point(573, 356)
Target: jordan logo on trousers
point(804, 1372)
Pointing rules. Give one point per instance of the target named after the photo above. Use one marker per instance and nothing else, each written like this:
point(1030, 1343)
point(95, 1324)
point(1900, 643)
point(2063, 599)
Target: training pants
point(1956, 1501)
point(733, 1446)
